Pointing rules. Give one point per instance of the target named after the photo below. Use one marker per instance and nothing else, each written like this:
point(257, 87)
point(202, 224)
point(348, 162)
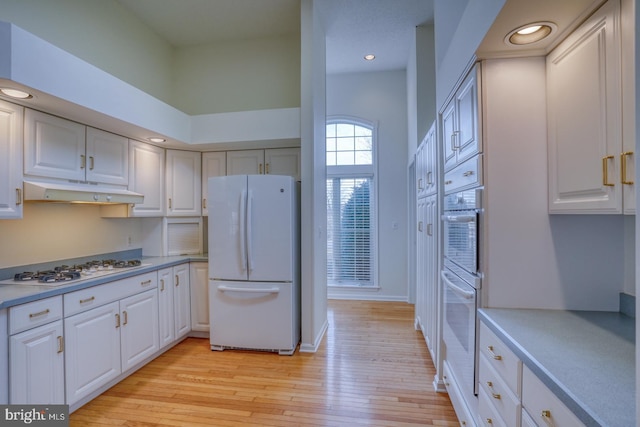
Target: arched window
point(351, 225)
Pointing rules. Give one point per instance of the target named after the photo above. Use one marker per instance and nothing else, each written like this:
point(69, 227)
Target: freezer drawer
point(254, 315)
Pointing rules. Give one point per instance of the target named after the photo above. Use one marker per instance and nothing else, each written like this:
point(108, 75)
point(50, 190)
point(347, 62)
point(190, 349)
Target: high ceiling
point(354, 27)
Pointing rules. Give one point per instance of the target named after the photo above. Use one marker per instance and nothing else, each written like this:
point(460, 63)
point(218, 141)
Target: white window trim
point(358, 171)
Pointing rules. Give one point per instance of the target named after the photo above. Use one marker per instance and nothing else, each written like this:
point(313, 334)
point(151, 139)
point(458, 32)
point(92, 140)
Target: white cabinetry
point(199, 281)
point(36, 358)
point(175, 303)
point(275, 161)
point(11, 132)
point(213, 164)
point(146, 176)
point(460, 119)
point(627, 160)
point(584, 117)
point(59, 148)
point(109, 329)
point(183, 175)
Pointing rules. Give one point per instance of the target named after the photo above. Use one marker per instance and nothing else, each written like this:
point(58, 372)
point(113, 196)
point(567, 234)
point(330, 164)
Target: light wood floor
point(372, 369)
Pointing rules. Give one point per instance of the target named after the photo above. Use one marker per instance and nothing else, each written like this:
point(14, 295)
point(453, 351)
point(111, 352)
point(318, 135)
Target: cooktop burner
point(62, 274)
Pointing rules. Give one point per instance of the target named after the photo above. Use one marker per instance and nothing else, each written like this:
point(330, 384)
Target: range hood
point(78, 192)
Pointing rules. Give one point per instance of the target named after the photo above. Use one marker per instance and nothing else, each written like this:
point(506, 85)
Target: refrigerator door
point(253, 315)
point(227, 233)
point(270, 228)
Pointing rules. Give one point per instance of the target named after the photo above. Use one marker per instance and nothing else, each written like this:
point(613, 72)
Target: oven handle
point(460, 218)
point(458, 290)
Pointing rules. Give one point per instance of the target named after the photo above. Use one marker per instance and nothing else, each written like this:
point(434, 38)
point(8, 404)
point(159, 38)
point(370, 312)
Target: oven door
point(461, 238)
point(459, 331)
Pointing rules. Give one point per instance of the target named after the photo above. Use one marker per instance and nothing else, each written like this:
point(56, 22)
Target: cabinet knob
point(545, 413)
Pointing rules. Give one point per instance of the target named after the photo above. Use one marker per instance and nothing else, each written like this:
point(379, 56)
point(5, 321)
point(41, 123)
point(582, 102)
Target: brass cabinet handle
point(420, 184)
point(40, 313)
point(60, 344)
point(429, 178)
point(83, 161)
point(91, 163)
point(448, 182)
point(605, 171)
point(82, 301)
point(545, 413)
point(117, 320)
point(454, 147)
point(493, 393)
point(18, 196)
point(204, 203)
point(430, 229)
point(623, 169)
point(177, 280)
point(266, 168)
point(420, 226)
point(468, 173)
point(495, 356)
point(169, 202)
point(489, 421)
point(260, 168)
point(126, 318)
point(161, 285)
point(145, 283)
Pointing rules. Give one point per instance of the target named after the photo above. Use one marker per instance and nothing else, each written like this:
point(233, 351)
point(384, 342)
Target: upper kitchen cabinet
point(460, 133)
point(59, 148)
point(627, 160)
point(183, 174)
point(146, 176)
point(275, 161)
point(11, 132)
point(213, 164)
point(586, 157)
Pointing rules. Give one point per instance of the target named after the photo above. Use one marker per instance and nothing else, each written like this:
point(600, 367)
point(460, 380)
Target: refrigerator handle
point(243, 221)
point(249, 237)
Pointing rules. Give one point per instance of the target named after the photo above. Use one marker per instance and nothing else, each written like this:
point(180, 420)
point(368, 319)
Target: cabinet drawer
point(488, 416)
point(36, 313)
point(85, 299)
point(506, 364)
point(498, 392)
point(466, 175)
point(543, 406)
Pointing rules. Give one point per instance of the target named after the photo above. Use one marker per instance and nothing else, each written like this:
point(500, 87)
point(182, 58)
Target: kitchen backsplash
point(51, 231)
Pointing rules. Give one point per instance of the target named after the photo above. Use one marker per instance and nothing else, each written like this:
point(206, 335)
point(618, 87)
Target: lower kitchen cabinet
point(37, 365)
point(199, 281)
point(36, 358)
point(175, 303)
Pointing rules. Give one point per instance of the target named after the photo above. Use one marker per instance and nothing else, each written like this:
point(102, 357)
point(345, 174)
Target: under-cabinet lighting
point(530, 33)
point(16, 93)
point(156, 139)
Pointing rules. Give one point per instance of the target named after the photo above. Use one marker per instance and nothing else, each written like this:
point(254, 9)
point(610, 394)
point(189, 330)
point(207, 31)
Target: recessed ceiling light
point(15, 93)
point(530, 33)
point(156, 139)
point(370, 57)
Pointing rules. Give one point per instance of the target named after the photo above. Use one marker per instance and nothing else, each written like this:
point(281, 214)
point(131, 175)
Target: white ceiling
point(354, 27)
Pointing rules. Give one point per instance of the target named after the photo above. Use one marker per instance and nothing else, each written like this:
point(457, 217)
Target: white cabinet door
point(107, 157)
point(92, 350)
point(11, 131)
point(460, 133)
point(627, 158)
point(584, 126)
point(53, 147)
point(184, 180)
point(282, 161)
point(181, 300)
point(245, 162)
point(213, 164)
point(199, 283)
point(420, 307)
point(431, 273)
point(165, 306)
point(430, 162)
point(139, 337)
point(36, 370)
point(146, 176)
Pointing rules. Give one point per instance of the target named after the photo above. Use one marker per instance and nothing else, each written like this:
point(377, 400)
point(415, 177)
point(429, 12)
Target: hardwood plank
point(372, 369)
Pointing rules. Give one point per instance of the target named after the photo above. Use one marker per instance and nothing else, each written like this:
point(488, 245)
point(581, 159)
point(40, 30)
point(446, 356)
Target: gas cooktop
point(64, 274)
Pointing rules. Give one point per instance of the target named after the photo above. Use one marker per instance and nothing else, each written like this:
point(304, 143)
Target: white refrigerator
point(254, 262)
